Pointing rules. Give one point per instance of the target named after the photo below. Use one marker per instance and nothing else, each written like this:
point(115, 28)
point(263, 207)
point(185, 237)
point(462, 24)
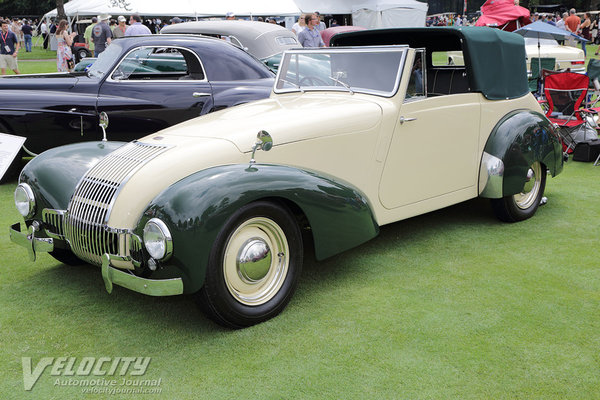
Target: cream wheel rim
point(530, 192)
point(256, 261)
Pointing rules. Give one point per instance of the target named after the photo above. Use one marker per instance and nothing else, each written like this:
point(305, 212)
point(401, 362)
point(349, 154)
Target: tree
point(60, 10)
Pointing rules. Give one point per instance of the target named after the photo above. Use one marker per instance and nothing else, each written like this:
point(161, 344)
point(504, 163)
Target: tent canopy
point(183, 8)
point(389, 13)
point(504, 14)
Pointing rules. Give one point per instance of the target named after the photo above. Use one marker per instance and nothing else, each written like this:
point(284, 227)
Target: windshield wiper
point(344, 84)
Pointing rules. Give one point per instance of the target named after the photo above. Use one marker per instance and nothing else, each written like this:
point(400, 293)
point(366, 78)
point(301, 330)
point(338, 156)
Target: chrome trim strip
point(491, 176)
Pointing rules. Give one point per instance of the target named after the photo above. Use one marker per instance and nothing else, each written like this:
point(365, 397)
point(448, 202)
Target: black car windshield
point(366, 70)
point(106, 60)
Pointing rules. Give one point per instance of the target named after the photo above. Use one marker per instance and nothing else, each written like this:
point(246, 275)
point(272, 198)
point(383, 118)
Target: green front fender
point(521, 138)
point(196, 208)
point(54, 174)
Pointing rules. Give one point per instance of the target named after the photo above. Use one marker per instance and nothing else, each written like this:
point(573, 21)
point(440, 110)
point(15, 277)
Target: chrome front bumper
point(29, 241)
point(151, 287)
point(110, 275)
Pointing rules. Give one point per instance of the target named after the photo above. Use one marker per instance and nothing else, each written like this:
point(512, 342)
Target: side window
point(443, 58)
point(417, 85)
point(159, 63)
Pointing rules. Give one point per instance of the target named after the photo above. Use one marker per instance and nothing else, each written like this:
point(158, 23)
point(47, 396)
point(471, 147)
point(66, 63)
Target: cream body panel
point(324, 114)
point(493, 110)
point(186, 157)
point(434, 154)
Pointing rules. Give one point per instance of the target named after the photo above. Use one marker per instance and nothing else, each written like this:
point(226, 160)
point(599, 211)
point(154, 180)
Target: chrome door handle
point(403, 120)
point(200, 94)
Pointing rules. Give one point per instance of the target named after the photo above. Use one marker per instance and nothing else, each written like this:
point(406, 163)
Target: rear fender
point(521, 138)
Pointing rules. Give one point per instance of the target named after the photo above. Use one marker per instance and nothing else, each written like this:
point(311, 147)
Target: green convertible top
point(495, 59)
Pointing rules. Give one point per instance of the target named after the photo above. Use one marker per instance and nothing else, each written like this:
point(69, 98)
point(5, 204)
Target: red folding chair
point(565, 93)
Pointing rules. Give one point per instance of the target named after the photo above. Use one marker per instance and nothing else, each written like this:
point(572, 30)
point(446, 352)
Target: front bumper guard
point(151, 287)
point(110, 275)
point(29, 241)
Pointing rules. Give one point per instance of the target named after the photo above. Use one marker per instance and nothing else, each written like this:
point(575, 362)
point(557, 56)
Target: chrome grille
point(54, 223)
point(89, 209)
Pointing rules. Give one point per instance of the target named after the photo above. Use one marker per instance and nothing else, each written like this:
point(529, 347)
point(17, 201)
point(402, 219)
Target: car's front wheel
point(254, 266)
point(523, 205)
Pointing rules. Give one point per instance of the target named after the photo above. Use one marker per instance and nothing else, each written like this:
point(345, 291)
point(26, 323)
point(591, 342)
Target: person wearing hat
point(175, 20)
point(230, 16)
point(101, 34)
point(119, 30)
point(136, 27)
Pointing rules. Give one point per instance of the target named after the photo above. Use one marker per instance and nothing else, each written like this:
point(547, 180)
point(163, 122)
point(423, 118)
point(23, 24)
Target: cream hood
point(223, 137)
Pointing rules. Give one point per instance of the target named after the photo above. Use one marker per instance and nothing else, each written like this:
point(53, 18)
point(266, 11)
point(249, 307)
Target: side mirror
point(103, 124)
point(264, 142)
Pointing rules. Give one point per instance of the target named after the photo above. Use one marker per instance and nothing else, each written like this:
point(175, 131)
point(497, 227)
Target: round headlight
point(157, 239)
point(25, 200)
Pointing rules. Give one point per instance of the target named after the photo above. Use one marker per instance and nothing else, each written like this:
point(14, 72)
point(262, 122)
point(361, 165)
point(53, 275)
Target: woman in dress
point(585, 31)
point(63, 52)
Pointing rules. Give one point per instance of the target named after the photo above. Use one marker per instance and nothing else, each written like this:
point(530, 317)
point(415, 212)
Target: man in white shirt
point(136, 27)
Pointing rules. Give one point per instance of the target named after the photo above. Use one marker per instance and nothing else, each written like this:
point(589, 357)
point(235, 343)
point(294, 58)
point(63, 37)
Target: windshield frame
point(403, 49)
point(114, 51)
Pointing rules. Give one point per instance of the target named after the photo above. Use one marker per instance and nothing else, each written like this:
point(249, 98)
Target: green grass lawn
point(449, 305)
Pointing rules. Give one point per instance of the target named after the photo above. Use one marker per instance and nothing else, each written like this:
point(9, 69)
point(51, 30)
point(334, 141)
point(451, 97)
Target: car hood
point(287, 118)
point(223, 137)
point(558, 52)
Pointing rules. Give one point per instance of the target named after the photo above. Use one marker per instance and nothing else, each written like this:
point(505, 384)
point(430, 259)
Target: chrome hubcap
point(256, 261)
point(530, 192)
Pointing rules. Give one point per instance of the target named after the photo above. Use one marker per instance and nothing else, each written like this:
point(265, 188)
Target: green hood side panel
point(519, 139)
point(54, 174)
point(196, 208)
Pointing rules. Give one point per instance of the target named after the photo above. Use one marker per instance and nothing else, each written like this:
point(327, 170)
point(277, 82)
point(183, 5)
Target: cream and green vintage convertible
point(363, 134)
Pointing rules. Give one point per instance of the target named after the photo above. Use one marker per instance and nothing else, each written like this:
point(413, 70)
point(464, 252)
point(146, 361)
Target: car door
point(154, 87)
point(433, 157)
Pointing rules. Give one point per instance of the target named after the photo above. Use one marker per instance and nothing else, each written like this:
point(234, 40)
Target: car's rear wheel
point(82, 53)
point(523, 205)
point(254, 266)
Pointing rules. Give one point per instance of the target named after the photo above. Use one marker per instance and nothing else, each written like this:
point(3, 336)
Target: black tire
point(66, 257)
point(82, 53)
point(237, 295)
point(523, 205)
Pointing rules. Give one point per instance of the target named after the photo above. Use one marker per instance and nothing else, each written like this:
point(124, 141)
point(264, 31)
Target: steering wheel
point(312, 81)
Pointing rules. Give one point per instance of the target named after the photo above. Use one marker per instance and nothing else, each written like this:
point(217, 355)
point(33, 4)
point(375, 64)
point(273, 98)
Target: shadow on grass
point(80, 289)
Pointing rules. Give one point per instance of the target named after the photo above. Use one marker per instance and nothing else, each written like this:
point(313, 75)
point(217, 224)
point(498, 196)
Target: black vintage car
point(143, 83)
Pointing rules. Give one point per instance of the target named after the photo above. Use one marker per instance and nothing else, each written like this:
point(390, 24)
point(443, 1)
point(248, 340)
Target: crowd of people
point(17, 34)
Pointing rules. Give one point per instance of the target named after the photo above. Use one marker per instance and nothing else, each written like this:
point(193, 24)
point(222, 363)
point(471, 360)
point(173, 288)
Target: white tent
point(326, 6)
point(182, 8)
point(389, 14)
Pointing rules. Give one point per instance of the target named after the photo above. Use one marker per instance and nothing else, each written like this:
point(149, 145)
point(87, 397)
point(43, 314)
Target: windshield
point(534, 41)
point(105, 61)
point(366, 70)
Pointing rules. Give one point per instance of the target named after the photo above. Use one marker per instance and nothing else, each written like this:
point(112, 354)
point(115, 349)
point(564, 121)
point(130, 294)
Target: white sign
point(9, 148)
